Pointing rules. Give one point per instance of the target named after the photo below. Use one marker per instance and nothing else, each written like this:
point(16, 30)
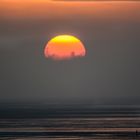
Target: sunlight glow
point(64, 47)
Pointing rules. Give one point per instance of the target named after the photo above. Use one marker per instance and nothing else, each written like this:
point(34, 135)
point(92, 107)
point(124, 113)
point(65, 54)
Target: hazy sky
point(110, 72)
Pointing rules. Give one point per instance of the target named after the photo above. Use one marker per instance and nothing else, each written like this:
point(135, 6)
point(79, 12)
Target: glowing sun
point(64, 47)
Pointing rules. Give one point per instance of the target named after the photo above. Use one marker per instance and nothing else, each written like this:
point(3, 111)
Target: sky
point(109, 74)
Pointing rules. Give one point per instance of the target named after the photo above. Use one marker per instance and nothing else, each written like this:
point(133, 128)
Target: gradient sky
point(109, 74)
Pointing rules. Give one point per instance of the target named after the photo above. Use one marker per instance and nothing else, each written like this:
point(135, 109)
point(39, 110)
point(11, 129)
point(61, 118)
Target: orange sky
point(51, 9)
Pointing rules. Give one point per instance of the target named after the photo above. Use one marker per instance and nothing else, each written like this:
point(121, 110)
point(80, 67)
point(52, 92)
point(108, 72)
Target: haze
point(108, 75)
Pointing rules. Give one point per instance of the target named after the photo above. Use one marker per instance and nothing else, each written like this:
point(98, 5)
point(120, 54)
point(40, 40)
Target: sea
point(70, 123)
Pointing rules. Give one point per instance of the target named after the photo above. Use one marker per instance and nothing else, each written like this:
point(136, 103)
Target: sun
point(63, 47)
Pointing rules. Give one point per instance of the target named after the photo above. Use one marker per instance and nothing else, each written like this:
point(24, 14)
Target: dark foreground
point(70, 135)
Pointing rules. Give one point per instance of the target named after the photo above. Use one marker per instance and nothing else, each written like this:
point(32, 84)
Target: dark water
point(70, 124)
point(70, 128)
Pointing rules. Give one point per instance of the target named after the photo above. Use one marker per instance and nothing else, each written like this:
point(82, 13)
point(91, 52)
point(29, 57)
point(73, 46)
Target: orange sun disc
point(64, 47)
